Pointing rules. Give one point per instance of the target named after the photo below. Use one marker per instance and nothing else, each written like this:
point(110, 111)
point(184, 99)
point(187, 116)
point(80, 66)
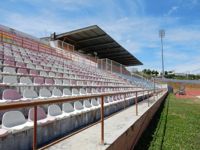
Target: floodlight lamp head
point(162, 33)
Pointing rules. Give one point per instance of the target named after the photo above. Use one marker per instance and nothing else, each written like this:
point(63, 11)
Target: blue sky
point(133, 23)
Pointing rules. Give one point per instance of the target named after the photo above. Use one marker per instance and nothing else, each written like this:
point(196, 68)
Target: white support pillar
point(101, 64)
point(121, 68)
point(111, 66)
point(106, 64)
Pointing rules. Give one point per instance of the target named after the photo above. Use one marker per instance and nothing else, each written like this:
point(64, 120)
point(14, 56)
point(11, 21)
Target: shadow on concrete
point(147, 136)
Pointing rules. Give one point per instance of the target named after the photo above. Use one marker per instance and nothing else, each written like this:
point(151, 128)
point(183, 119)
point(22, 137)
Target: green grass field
point(175, 127)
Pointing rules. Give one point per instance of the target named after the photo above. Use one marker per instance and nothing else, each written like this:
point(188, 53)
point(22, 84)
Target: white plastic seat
point(44, 93)
point(9, 70)
point(94, 90)
point(14, 121)
point(68, 109)
point(52, 74)
point(58, 81)
point(75, 91)
point(88, 90)
point(56, 92)
point(55, 111)
point(25, 80)
point(27, 61)
point(31, 66)
point(66, 82)
point(65, 75)
point(82, 91)
point(18, 58)
point(43, 73)
point(78, 106)
point(39, 67)
point(54, 69)
point(29, 94)
point(87, 105)
point(80, 82)
point(67, 92)
point(94, 103)
point(10, 79)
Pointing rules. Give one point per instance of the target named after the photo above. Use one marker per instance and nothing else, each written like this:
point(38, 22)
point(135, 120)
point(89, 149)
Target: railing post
point(148, 98)
point(143, 97)
point(1, 36)
point(136, 105)
point(35, 129)
point(124, 101)
point(102, 120)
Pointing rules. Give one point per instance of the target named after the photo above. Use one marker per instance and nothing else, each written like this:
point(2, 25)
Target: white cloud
point(172, 10)
point(136, 33)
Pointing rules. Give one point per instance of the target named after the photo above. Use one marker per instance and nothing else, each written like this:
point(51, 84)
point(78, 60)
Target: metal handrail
point(35, 102)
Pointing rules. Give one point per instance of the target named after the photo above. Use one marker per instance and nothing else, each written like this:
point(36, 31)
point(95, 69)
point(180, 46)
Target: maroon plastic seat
point(9, 58)
point(59, 75)
point(33, 72)
point(11, 94)
point(22, 71)
point(49, 81)
point(73, 82)
point(47, 68)
point(9, 62)
point(38, 80)
point(20, 64)
point(41, 116)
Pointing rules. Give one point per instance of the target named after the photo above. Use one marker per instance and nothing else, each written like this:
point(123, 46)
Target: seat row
point(29, 93)
point(23, 68)
point(25, 71)
point(15, 121)
point(58, 59)
point(13, 79)
point(38, 58)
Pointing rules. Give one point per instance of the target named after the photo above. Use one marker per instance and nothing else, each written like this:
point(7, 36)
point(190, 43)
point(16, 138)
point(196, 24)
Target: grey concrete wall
point(129, 139)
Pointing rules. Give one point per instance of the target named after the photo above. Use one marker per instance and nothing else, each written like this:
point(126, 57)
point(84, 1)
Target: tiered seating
point(31, 75)
point(140, 82)
point(23, 69)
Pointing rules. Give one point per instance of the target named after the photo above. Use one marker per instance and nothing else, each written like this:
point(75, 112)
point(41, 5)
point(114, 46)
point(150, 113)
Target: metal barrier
point(112, 66)
point(35, 103)
point(31, 44)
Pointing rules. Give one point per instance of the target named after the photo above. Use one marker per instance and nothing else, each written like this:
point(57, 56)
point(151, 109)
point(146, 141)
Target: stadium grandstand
point(56, 86)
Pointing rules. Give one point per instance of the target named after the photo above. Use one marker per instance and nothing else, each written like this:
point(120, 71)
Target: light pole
point(162, 35)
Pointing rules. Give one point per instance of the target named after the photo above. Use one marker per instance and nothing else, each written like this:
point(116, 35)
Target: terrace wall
point(129, 139)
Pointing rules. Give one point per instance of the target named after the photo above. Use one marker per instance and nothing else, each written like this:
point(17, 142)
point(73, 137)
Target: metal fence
point(112, 66)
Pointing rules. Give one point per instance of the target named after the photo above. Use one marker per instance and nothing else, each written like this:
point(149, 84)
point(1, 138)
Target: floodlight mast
point(162, 35)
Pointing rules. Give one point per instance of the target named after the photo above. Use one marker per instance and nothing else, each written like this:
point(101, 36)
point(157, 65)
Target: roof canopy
point(93, 39)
